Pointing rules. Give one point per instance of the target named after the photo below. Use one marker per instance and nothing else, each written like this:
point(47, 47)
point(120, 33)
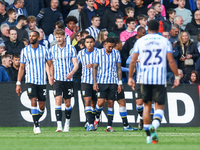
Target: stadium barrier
point(181, 109)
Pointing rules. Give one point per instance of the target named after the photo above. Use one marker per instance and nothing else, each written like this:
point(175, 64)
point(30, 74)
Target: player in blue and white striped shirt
point(106, 68)
point(65, 65)
point(33, 59)
point(93, 29)
point(86, 58)
point(153, 50)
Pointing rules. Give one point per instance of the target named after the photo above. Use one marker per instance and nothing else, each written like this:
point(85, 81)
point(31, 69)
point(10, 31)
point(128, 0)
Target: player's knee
point(139, 102)
point(42, 107)
point(122, 103)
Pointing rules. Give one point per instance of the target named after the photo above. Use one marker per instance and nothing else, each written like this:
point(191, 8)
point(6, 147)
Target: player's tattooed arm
point(119, 71)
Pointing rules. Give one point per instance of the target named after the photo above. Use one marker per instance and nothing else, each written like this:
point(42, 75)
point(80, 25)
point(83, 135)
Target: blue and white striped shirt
point(152, 49)
point(107, 69)
point(62, 61)
point(93, 31)
point(86, 58)
point(35, 64)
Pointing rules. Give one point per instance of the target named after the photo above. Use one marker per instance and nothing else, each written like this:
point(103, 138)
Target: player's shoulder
point(42, 47)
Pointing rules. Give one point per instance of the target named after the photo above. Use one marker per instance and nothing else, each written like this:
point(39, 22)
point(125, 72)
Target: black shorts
point(38, 91)
point(158, 93)
point(87, 91)
point(121, 94)
point(138, 94)
point(107, 91)
point(64, 88)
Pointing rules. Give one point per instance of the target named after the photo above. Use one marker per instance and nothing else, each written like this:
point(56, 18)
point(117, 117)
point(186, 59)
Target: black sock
point(93, 116)
point(35, 120)
point(89, 117)
point(98, 113)
point(68, 113)
point(110, 120)
point(140, 113)
point(125, 121)
point(148, 133)
point(58, 115)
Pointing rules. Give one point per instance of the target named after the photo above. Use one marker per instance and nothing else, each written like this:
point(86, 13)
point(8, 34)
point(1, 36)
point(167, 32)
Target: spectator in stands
point(174, 33)
point(194, 77)
point(77, 38)
point(41, 39)
point(110, 15)
point(151, 16)
point(93, 29)
point(129, 13)
point(86, 14)
point(197, 5)
point(76, 12)
point(69, 5)
point(163, 11)
point(119, 26)
point(31, 24)
point(6, 63)
point(173, 4)
point(83, 36)
point(3, 13)
point(48, 17)
point(25, 41)
point(4, 32)
point(140, 8)
point(178, 20)
point(33, 7)
point(14, 45)
point(18, 5)
point(103, 35)
point(142, 19)
point(101, 6)
point(2, 49)
point(186, 14)
point(12, 17)
point(123, 4)
point(21, 24)
point(13, 70)
point(193, 27)
point(130, 43)
point(188, 54)
point(129, 32)
point(171, 13)
point(71, 28)
point(158, 9)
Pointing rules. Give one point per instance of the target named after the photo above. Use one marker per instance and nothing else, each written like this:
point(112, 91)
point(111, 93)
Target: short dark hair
point(24, 40)
point(142, 16)
point(21, 17)
point(119, 18)
point(82, 41)
point(155, 3)
point(90, 37)
point(170, 11)
point(16, 56)
point(153, 25)
point(84, 32)
point(117, 40)
point(71, 18)
point(37, 33)
point(10, 11)
point(140, 29)
point(110, 40)
point(60, 25)
point(129, 20)
point(95, 16)
point(81, 3)
point(11, 29)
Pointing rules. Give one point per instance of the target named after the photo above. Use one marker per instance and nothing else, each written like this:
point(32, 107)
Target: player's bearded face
point(33, 41)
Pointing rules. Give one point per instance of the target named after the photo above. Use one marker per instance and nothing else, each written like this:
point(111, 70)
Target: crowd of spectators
point(179, 21)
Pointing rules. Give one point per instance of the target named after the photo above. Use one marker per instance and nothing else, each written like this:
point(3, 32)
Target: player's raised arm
point(173, 67)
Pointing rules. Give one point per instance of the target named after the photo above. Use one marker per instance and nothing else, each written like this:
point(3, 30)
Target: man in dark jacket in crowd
point(194, 27)
point(14, 45)
point(130, 43)
point(48, 17)
point(139, 8)
point(33, 7)
point(110, 15)
point(86, 14)
point(3, 14)
point(171, 13)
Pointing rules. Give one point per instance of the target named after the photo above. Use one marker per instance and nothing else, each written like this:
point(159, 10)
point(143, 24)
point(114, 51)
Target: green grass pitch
point(22, 138)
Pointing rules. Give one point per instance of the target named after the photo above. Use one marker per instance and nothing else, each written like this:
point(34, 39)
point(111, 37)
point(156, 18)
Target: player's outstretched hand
point(176, 83)
point(69, 76)
point(95, 87)
point(18, 89)
point(131, 83)
point(51, 80)
point(119, 88)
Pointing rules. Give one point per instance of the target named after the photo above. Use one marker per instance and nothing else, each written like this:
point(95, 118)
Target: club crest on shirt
point(98, 94)
point(29, 90)
point(83, 92)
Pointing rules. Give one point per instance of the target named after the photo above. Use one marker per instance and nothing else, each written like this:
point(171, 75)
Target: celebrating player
point(86, 58)
point(106, 68)
point(34, 57)
point(65, 65)
point(153, 50)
